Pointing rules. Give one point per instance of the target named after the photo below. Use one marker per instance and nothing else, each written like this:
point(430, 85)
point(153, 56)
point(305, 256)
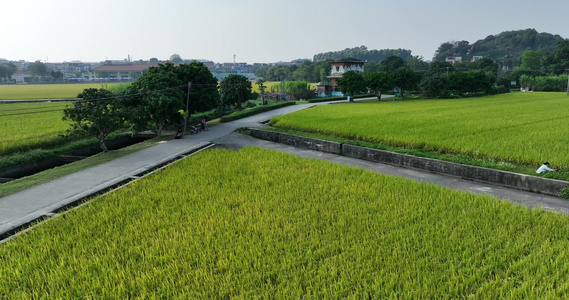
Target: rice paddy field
point(522, 128)
point(45, 91)
point(257, 223)
point(26, 126)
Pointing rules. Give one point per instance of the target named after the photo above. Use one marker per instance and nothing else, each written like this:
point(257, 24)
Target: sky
point(256, 31)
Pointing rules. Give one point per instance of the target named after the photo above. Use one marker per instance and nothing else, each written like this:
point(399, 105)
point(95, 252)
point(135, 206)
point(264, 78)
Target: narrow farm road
point(22, 208)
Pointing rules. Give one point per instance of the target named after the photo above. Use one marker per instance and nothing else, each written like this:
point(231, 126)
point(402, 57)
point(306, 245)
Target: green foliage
point(379, 83)
point(531, 60)
point(317, 100)
point(97, 114)
point(545, 83)
point(296, 89)
point(234, 90)
point(352, 83)
point(363, 54)
point(391, 64)
point(506, 47)
point(37, 68)
point(521, 128)
point(405, 79)
point(156, 97)
point(253, 111)
point(564, 193)
point(259, 222)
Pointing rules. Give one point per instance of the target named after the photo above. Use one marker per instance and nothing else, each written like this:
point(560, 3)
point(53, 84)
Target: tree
point(175, 58)
point(204, 94)
point(153, 60)
point(155, 97)
point(391, 64)
point(56, 75)
point(531, 60)
point(261, 84)
point(97, 114)
point(379, 83)
point(352, 82)
point(6, 70)
point(38, 69)
point(234, 90)
point(405, 79)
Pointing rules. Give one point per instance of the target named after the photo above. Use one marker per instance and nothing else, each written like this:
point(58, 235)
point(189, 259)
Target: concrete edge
point(15, 227)
point(480, 174)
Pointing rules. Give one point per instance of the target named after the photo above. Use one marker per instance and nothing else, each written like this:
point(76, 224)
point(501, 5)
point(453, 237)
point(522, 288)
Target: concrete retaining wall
point(481, 174)
point(298, 141)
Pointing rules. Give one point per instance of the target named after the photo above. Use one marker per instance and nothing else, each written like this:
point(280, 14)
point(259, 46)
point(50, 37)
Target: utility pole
point(187, 108)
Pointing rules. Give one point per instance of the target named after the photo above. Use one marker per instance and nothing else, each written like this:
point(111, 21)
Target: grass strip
point(27, 182)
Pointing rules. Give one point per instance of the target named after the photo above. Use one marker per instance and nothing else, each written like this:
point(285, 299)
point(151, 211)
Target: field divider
point(85, 197)
point(474, 173)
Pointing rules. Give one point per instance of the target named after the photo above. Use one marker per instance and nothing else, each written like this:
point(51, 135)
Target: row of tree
point(154, 100)
point(437, 80)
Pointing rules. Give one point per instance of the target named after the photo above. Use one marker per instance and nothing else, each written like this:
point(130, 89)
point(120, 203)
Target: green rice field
point(257, 223)
point(26, 126)
point(524, 128)
point(46, 91)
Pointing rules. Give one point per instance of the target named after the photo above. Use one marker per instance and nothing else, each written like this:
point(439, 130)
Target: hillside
point(506, 47)
point(363, 54)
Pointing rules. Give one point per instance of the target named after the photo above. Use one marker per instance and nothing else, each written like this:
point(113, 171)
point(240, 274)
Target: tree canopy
point(97, 114)
point(234, 90)
point(352, 82)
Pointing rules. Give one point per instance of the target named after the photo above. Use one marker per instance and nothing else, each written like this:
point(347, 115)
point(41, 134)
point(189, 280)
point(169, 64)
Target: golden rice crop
point(27, 125)
point(261, 224)
point(46, 91)
point(527, 128)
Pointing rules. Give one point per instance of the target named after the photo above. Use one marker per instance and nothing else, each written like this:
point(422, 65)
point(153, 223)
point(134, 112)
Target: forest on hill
point(506, 48)
point(363, 54)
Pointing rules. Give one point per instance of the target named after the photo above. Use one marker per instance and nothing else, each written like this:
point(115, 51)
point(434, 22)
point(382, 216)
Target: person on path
point(544, 168)
point(204, 125)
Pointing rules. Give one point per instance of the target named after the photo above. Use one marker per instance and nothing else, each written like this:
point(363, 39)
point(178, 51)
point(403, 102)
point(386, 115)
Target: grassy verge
point(21, 184)
point(263, 224)
point(456, 158)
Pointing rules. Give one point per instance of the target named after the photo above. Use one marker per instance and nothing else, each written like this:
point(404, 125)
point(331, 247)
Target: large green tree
point(352, 82)
point(234, 90)
point(405, 79)
point(157, 97)
point(97, 114)
point(391, 64)
point(38, 69)
point(379, 83)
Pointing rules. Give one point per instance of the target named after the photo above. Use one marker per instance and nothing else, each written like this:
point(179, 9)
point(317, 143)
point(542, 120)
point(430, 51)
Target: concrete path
point(20, 209)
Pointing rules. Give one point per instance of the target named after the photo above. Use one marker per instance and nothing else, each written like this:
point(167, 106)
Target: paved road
point(29, 205)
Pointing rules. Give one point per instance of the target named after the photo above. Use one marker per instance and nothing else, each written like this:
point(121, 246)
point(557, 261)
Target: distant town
point(126, 70)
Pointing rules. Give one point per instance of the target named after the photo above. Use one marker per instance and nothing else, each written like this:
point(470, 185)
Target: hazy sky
point(256, 31)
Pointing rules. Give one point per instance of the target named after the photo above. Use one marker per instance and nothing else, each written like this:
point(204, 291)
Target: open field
point(45, 91)
point(258, 223)
point(524, 128)
point(30, 125)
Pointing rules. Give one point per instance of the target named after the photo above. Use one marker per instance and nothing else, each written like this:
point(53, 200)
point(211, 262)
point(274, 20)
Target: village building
point(337, 70)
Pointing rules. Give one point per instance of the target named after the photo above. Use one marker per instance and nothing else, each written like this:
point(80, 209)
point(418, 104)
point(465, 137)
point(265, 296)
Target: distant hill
point(506, 47)
point(363, 54)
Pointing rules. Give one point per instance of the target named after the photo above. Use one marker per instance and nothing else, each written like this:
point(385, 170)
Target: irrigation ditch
point(19, 171)
point(85, 199)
